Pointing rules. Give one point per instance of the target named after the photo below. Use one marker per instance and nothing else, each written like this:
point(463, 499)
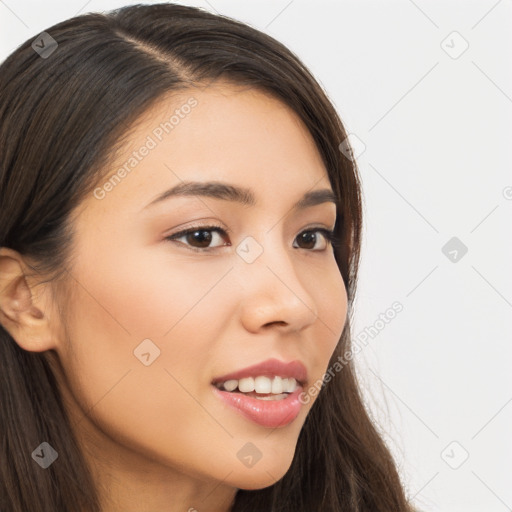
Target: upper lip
point(269, 368)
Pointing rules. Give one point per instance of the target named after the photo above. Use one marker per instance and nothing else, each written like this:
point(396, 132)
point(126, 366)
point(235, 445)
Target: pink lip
point(267, 413)
point(269, 368)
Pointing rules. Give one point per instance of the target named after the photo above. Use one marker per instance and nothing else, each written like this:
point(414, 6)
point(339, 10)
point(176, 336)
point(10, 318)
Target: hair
point(62, 117)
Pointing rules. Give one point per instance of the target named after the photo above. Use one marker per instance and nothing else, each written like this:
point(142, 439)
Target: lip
point(269, 368)
point(267, 413)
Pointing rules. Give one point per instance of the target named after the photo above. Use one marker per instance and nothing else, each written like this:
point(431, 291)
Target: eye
point(200, 235)
point(310, 236)
point(199, 238)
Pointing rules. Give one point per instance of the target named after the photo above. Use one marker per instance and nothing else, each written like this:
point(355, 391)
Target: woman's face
point(152, 322)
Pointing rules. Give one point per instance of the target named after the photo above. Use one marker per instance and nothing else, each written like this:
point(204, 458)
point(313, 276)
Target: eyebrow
point(242, 195)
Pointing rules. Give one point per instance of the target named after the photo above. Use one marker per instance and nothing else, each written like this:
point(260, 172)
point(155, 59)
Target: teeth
point(281, 396)
point(261, 384)
point(230, 385)
point(292, 384)
point(277, 386)
point(246, 385)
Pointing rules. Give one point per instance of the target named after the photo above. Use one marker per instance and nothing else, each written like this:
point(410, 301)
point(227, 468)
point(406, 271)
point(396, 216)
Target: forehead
point(230, 133)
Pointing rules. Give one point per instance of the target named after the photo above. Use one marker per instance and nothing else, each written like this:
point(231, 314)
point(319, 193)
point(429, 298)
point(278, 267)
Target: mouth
point(270, 380)
point(267, 393)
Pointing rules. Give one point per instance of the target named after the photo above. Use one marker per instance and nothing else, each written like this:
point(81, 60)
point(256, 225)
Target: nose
point(274, 292)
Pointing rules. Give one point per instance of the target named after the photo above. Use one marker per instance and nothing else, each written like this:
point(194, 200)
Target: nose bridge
point(274, 290)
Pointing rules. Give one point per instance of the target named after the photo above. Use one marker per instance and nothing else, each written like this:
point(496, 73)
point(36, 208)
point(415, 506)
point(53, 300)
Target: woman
point(180, 237)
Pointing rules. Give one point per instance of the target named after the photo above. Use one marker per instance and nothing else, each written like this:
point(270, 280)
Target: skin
point(155, 436)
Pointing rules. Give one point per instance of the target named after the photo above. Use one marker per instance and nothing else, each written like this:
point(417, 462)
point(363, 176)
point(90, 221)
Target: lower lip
point(267, 413)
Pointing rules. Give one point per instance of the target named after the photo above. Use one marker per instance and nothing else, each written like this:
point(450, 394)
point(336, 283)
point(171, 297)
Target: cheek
point(331, 300)
point(147, 292)
point(114, 310)
point(145, 304)
point(336, 307)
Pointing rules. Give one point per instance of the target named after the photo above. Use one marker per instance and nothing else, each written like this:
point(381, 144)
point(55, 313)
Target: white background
point(436, 133)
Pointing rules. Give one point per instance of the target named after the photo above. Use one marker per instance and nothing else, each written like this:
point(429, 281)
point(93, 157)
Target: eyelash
point(329, 234)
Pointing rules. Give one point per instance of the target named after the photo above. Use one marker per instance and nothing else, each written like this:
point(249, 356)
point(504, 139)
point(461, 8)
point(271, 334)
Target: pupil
point(309, 237)
point(203, 237)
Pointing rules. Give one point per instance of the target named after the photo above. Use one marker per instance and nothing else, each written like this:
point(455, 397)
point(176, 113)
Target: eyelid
point(204, 226)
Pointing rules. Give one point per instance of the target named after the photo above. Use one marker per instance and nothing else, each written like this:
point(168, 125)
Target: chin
point(256, 477)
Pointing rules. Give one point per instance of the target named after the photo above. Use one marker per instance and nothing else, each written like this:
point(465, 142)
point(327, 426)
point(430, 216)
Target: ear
point(23, 313)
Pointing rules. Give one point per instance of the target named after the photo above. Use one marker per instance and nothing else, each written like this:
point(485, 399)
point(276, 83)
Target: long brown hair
point(62, 115)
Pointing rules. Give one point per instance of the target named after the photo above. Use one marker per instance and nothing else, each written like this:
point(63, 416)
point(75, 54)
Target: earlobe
point(23, 319)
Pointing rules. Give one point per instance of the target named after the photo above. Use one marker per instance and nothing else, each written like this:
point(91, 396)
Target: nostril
point(278, 322)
